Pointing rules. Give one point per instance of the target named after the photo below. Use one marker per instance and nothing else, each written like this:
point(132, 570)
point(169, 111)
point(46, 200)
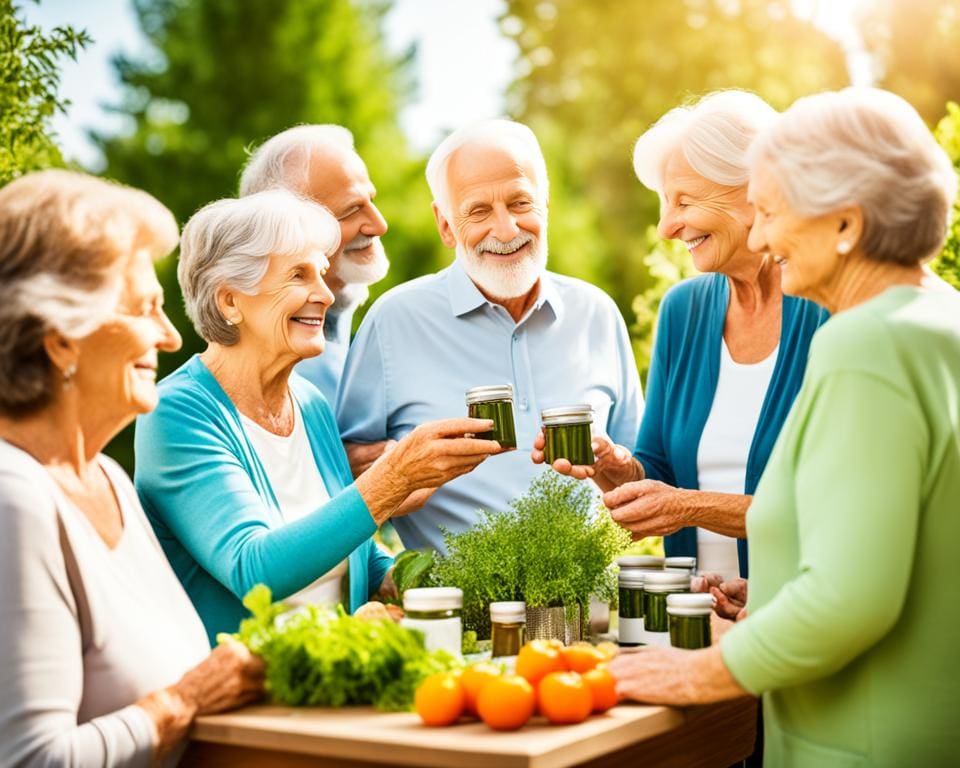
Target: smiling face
point(284, 320)
point(117, 363)
point(711, 219)
point(499, 218)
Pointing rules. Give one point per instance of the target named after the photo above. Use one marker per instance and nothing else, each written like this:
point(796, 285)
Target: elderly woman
point(855, 657)
point(241, 468)
point(104, 658)
point(730, 349)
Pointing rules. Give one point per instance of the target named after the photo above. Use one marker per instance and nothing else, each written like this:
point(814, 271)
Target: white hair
point(865, 147)
point(228, 244)
point(283, 161)
point(486, 131)
point(714, 134)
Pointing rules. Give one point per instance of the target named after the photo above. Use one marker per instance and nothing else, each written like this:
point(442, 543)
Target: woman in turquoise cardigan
point(240, 469)
point(851, 629)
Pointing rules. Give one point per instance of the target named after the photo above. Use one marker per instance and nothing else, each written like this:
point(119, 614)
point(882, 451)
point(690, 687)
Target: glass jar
point(567, 434)
point(507, 624)
point(435, 611)
point(630, 611)
point(656, 588)
point(690, 620)
point(494, 402)
point(681, 563)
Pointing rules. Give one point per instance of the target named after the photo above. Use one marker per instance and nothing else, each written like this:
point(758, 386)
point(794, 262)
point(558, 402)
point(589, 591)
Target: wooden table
point(637, 736)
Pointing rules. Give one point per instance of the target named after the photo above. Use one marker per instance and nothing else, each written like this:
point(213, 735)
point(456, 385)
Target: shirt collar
point(466, 297)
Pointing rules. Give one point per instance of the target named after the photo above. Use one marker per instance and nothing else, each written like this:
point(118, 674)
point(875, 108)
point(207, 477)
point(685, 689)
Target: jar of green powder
point(567, 434)
point(689, 617)
point(494, 402)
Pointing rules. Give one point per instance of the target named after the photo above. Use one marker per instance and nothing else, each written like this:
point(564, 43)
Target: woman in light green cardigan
point(852, 629)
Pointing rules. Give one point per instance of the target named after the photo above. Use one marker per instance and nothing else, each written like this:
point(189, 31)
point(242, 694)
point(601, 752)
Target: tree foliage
point(29, 78)
point(947, 264)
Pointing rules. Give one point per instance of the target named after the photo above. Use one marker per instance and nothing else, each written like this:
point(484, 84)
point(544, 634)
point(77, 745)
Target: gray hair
point(869, 148)
point(714, 134)
point(283, 161)
point(65, 241)
point(228, 244)
point(484, 131)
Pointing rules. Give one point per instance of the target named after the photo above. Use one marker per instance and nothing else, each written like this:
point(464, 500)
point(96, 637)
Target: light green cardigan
point(853, 635)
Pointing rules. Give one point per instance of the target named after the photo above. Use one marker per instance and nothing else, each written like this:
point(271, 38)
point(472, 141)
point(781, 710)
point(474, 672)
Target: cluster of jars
point(656, 606)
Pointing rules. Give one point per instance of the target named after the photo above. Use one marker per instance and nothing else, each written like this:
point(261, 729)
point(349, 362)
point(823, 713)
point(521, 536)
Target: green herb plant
point(321, 657)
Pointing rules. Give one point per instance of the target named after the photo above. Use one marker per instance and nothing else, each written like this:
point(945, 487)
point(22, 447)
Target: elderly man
point(319, 162)
point(494, 316)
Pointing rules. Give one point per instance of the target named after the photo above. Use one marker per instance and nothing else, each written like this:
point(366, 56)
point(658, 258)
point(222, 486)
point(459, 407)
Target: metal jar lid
point(433, 599)
point(648, 562)
point(690, 563)
point(666, 581)
point(489, 392)
point(690, 604)
point(631, 578)
point(508, 613)
point(567, 414)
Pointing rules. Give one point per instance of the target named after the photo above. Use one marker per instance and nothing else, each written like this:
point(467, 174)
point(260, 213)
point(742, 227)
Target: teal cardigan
point(210, 502)
point(683, 381)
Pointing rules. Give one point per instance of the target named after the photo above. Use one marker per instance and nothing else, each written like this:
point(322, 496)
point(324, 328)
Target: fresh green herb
point(412, 569)
point(321, 657)
point(469, 643)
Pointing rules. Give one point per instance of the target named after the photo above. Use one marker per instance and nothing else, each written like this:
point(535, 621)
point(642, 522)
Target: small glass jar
point(656, 588)
point(681, 563)
point(567, 434)
point(690, 620)
point(507, 624)
point(630, 610)
point(435, 611)
point(494, 402)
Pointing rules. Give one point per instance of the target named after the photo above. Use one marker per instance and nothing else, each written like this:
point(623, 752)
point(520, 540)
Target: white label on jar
point(444, 634)
point(630, 630)
point(658, 638)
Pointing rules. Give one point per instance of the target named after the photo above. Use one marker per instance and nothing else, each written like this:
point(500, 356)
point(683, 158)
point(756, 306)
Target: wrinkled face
point(712, 220)
point(805, 248)
point(117, 363)
point(284, 319)
point(499, 218)
point(338, 179)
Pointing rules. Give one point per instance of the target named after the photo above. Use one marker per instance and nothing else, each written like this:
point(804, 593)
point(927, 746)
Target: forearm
point(724, 513)
point(675, 677)
point(383, 490)
point(171, 714)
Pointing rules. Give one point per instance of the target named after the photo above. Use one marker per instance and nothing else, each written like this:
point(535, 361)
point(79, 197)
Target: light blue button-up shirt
point(325, 370)
point(425, 343)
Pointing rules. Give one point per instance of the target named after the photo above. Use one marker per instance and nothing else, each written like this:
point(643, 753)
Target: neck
point(862, 278)
point(256, 386)
point(518, 306)
point(754, 284)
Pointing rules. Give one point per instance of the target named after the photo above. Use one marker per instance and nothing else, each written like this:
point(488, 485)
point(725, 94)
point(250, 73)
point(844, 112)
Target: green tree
point(29, 78)
point(947, 264)
point(223, 75)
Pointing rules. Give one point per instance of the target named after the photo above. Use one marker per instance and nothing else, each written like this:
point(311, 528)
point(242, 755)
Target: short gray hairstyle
point(714, 134)
point(493, 130)
point(228, 244)
point(283, 161)
point(869, 148)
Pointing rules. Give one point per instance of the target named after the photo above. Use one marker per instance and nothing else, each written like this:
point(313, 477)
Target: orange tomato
point(539, 658)
point(608, 649)
point(506, 703)
point(474, 678)
point(563, 698)
point(439, 699)
point(603, 688)
point(582, 657)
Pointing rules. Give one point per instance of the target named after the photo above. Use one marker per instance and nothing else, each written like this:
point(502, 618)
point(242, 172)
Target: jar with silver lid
point(567, 434)
point(646, 562)
point(689, 616)
point(494, 402)
point(435, 611)
point(656, 587)
point(630, 607)
point(684, 563)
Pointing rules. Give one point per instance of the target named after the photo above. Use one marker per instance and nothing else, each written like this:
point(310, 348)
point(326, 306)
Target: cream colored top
point(84, 630)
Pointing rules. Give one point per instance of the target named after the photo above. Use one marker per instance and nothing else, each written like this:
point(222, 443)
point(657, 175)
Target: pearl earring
point(843, 247)
point(68, 373)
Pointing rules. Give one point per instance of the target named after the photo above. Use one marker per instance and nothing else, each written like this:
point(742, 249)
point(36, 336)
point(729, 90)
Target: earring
point(68, 373)
point(843, 247)
point(228, 321)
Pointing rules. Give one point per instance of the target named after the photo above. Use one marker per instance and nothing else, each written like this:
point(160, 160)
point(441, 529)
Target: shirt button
point(524, 405)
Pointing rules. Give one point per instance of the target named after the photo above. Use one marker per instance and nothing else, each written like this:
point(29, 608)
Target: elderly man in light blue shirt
point(495, 316)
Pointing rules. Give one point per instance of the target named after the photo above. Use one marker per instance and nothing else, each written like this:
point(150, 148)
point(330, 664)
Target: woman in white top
point(105, 661)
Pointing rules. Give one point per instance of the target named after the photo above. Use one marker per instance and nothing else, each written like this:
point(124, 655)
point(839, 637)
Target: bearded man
point(495, 316)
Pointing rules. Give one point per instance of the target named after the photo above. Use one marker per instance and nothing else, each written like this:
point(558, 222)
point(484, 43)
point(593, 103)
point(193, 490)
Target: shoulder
point(585, 299)
point(416, 295)
point(316, 409)
point(25, 501)
point(694, 291)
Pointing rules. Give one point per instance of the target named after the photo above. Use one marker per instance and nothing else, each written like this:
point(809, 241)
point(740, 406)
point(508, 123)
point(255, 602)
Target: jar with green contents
point(681, 563)
point(494, 402)
point(507, 623)
point(689, 617)
point(567, 434)
point(435, 611)
point(630, 611)
point(656, 588)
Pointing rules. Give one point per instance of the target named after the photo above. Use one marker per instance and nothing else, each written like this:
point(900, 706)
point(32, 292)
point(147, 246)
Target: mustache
point(493, 245)
point(359, 243)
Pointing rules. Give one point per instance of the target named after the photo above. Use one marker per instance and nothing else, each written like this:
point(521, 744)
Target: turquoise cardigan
point(210, 502)
point(683, 381)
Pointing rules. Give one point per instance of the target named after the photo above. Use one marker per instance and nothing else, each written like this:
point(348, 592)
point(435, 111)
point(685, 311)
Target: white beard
point(352, 272)
point(504, 281)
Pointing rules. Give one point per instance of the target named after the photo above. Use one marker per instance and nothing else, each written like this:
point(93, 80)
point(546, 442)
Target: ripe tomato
point(603, 688)
point(582, 657)
point(563, 697)
point(608, 649)
point(539, 658)
point(440, 699)
point(506, 703)
point(474, 678)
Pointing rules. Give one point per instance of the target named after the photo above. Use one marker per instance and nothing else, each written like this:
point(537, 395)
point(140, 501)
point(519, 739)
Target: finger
point(539, 442)
point(625, 493)
point(456, 427)
point(536, 455)
point(563, 466)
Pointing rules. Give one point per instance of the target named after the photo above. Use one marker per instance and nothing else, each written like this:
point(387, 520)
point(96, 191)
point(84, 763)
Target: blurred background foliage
point(220, 76)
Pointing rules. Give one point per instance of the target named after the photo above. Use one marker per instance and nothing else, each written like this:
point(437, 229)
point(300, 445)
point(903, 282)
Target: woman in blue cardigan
point(241, 469)
point(730, 348)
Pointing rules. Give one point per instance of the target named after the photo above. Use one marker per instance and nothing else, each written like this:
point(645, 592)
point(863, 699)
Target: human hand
point(413, 502)
point(649, 507)
point(705, 580)
point(731, 599)
point(362, 455)
point(655, 675)
point(614, 465)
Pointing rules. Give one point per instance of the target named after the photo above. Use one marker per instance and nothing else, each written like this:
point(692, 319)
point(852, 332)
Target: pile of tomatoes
point(565, 684)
